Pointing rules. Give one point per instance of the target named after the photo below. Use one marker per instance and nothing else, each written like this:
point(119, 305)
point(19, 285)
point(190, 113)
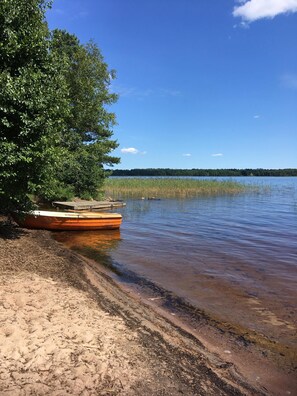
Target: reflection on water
point(96, 245)
point(235, 257)
point(103, 239)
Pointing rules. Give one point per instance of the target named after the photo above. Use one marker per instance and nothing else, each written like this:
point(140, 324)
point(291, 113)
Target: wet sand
point(67, 328)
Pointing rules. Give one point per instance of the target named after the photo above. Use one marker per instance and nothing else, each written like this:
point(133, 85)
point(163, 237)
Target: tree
point(33, 103)
point(87, 139)
point(55, 130)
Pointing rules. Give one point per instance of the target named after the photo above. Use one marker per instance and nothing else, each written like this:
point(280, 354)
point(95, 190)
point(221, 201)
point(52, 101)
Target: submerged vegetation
point(171, 187)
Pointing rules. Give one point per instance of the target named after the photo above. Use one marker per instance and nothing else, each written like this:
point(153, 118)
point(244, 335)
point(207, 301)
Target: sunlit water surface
point(233, 256)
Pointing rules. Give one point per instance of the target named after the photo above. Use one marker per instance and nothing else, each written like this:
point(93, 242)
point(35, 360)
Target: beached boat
point(68, 221)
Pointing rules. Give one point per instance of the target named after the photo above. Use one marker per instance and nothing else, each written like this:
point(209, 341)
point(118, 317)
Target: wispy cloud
point(252, 10)
point(132, 150)
point(130, 92)
point(168, 92)
point(217, 155)
point(58, 11)
point(289, 80)
point(187, 155)
point(256, 116)
point(73, 12)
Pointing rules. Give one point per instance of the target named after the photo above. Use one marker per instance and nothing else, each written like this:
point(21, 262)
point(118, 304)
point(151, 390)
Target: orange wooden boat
point(69, 221)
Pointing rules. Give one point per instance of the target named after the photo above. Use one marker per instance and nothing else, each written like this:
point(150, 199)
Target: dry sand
point(67, 329)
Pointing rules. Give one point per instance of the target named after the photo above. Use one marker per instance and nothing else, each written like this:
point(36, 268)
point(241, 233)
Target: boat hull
point(59, 221)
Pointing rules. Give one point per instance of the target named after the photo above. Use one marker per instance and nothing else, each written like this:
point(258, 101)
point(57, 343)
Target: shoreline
point(158, 353)
point(191, 317)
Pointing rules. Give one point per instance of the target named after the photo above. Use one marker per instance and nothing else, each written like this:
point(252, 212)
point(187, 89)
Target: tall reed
point(121, 188)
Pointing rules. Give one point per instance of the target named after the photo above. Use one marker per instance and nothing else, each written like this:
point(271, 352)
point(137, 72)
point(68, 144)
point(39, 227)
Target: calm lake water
point(233, 256)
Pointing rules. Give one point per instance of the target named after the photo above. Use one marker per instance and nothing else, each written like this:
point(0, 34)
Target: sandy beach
point(67, 328)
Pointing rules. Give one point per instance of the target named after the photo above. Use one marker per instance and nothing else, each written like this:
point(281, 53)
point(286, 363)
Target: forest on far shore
point(204, 172)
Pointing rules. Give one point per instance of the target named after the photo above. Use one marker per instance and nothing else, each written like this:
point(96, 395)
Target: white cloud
point(187, 155)
point(242, 25)
point(256, 116)
point(252, 10)
point(289, 81)
point(217, 155)
point(132, 150)
point(129, 150)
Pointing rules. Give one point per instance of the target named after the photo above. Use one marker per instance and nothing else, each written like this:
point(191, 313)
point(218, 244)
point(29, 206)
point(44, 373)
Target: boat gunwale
point(71, 215)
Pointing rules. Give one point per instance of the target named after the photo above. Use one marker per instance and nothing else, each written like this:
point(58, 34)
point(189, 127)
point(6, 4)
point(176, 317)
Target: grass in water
point(120, 188)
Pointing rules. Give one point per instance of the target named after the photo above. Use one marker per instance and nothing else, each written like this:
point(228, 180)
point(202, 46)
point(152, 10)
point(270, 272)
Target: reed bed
point(122, 188)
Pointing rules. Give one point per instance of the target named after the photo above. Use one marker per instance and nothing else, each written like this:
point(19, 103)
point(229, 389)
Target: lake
point(234, 257)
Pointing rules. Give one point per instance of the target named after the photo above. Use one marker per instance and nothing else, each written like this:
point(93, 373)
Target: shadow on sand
point(9, 230)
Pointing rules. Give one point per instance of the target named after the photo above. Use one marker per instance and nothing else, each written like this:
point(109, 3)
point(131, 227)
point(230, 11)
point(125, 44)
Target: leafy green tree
point(55, 129)
point(87, 140)
point(33, 104)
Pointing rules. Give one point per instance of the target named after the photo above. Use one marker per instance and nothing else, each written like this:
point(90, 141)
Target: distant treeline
point(204, 172)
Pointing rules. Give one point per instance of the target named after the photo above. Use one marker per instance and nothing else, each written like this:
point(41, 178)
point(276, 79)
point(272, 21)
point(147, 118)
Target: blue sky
point(202, 83)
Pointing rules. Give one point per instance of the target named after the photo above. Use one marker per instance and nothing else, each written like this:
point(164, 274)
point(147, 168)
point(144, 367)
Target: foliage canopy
point(54, 127)
point(204, 172)
point(31, 111)
point(87, 138)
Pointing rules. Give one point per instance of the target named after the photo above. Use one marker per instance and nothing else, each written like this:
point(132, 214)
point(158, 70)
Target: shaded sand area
point(67, 328)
